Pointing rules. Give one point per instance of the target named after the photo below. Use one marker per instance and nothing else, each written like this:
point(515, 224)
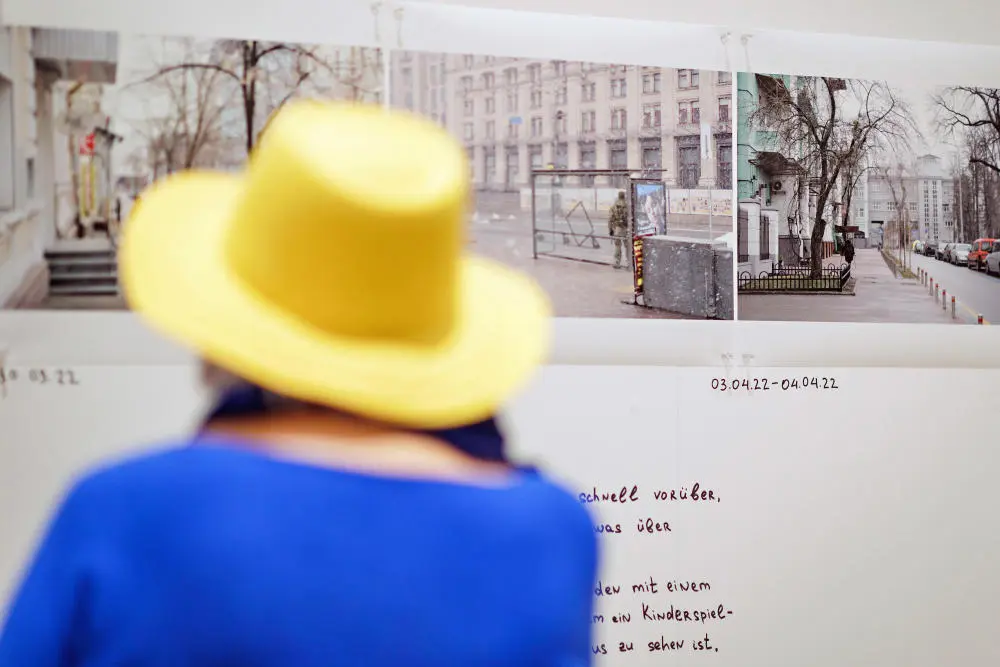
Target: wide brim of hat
point(175, 277)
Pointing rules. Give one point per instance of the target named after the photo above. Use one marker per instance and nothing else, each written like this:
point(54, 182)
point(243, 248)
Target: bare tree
point(830, 126)
point(974, 113)
point(901, 224)
point(184, 108)
point(265, 75)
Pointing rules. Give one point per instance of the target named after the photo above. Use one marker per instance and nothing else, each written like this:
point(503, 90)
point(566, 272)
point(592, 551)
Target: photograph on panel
point(867, 201)
point(611, 184)
point(93, 118)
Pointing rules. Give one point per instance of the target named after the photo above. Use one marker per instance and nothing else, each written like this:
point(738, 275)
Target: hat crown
point(352, 219)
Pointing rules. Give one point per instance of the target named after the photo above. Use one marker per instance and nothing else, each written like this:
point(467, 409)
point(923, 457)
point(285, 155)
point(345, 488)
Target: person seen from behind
point(618, 229)
point(848, 249)
point(349, 499)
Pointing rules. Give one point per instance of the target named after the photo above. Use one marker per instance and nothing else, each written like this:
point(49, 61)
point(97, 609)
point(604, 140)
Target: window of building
point(491, 104)
point(407, 75)
point(488, 80)
point(433, 75)
point(875, 186)
point(468, 107)
point(535, 156)
point(765, 238)
point(619, 87)
point(743, 236)
point(510, 76)
point(535, 73)
point(651, 82)
point(469, 132)
point(408, 100)
point(588, 121)
point(588, 91)
point(724, 166)
point(468, 61)
point(560, 67)
point(512, 101)
point(617, 157)
point(651, 116)
point(29, 168)
point(687, 78)
point(434, 103)
point(490, 59)
point(651, 157)
point(724, 104)
point(536, 99)
point(561, 95)
point(491, 129)
point(536, 126)
point(619, 119)
point(588, 160)
point(560, 122)
point(466, 83)
point(513, 129)
point(725, 78)
point(689, 112)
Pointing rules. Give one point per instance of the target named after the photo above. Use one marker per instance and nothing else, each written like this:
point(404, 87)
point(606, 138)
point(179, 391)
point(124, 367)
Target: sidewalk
point(878, 297)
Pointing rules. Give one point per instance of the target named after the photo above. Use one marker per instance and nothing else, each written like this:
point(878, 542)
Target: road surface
point(977, 292)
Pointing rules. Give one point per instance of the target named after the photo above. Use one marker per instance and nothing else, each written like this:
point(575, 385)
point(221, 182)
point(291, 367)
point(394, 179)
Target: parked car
point(993, 262)
point(918, 247)
point(942, 252)
point(980, 249)
point(930, 249)
point(959, 254)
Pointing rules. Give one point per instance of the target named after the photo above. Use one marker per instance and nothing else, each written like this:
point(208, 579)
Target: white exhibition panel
point(49, 432)
point(68, 339)
point(850, 525)
point(968, 21)
point(458, 29)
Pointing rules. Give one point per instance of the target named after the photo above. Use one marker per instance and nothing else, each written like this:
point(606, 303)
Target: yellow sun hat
point(333, 270)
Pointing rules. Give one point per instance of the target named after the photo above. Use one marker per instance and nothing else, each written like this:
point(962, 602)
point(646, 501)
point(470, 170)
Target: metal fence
point(570, 207)
point(795, 279)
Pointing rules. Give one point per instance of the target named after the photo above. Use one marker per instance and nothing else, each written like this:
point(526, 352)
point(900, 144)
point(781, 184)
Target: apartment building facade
point(925, 189)
point(516, 115)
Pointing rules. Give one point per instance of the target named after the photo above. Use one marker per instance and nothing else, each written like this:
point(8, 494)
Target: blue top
point(215, 555)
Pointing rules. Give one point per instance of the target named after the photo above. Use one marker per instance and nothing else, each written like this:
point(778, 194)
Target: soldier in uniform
point(618, 229)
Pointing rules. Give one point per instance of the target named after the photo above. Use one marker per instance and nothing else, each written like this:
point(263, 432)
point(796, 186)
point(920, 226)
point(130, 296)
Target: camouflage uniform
point(618, 231)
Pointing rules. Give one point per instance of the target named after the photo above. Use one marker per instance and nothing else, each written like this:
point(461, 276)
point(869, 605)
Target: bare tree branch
point(831, 128)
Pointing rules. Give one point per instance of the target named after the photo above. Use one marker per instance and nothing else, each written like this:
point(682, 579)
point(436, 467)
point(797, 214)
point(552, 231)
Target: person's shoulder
point(553, 507)
point(134, 474)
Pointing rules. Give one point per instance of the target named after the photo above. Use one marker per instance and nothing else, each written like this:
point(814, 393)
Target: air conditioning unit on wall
point(776, 186)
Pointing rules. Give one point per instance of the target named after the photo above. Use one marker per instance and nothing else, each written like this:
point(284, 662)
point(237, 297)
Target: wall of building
point(22, 232)
point(929, 196)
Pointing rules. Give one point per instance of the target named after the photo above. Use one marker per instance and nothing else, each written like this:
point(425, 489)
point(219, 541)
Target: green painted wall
point(749, 140)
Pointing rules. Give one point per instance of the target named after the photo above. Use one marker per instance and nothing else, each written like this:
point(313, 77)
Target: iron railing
point(795, 279)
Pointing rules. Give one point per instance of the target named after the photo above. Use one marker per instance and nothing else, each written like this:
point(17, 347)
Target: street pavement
point(575, 259)
point(977, 292)
point(576, 288)
point(878, 297)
